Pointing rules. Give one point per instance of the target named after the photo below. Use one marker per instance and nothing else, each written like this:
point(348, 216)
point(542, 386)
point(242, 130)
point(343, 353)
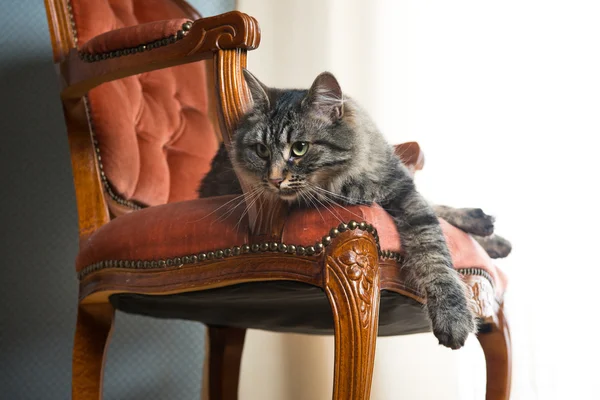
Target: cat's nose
point(276, 181)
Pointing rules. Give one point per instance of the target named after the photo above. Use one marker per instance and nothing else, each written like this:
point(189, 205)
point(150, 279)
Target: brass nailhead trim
point(107, 185)
point(72, 21)
point(317, 249)
point(89, 57)
point(478, 272)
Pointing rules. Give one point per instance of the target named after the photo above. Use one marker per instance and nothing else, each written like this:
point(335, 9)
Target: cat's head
point(293, 143)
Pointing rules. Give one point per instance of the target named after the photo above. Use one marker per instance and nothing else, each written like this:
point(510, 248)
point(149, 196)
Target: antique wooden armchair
point(148, 92)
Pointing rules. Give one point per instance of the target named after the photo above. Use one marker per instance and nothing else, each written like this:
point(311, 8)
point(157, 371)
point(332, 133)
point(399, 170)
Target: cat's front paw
point(451, 317)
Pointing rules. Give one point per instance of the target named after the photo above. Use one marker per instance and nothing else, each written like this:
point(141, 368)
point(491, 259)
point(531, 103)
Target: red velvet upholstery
point(197, 226)
point(153, 131)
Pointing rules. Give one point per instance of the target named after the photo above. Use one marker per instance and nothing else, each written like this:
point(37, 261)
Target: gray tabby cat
point(318, 145)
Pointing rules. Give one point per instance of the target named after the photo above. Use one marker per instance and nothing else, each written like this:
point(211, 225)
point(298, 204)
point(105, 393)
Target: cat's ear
point(325, 97)
point(258, 90)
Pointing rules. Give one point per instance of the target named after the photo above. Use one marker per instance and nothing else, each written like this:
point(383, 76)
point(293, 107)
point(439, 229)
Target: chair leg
point(495, 341)
point(226, 346)
point(92, 334)
point(352, 286)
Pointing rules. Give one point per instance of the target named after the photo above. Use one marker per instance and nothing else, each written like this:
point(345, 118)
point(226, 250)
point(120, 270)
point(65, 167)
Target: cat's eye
point(299, 149)
point(262, 150)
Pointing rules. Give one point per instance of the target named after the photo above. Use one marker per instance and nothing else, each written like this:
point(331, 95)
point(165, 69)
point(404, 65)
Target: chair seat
point(276, 306)
point(190, 232)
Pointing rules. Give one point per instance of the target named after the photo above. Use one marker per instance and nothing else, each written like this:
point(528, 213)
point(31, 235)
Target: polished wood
point(226, 346)
point(92, 208)
point(59, 25)
point(351, 282)
point(484, 302)
point(496, 345)
point(94, 327)
point(97, 287)
point(233, 30)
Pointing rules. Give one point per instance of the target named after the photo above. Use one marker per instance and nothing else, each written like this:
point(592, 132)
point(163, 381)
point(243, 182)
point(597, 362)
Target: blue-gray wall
point(148, 359)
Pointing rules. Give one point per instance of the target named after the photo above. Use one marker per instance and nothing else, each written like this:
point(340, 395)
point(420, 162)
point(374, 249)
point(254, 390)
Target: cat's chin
point(288, 195)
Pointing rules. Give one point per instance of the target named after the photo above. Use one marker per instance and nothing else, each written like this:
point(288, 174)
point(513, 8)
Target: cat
point(320, 144)
point(222, 180)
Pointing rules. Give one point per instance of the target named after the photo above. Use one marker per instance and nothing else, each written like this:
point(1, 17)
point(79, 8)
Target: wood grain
point(99, 286)
point(226, 347)
point(351, 282)
point(496, 345)
point(92, 334)
point(92, 208)
point(59, 25)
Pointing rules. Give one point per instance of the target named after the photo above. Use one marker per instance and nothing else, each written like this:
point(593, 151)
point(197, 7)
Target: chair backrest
point(152, 132)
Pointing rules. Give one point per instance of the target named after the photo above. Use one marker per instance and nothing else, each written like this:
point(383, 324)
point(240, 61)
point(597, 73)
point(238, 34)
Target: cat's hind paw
point(496, 246)
point(469, 220)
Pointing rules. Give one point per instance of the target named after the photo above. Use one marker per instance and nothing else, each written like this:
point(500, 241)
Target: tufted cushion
point(153, 131)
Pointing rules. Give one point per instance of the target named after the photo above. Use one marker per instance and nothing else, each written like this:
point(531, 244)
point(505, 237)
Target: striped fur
point(348, 162)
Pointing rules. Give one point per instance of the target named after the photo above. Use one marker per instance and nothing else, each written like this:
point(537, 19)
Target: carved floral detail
point(483, 297)
point(358, 263)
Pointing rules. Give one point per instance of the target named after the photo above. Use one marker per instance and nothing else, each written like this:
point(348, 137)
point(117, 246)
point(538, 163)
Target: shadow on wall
point(39, 234)
point(148, 359)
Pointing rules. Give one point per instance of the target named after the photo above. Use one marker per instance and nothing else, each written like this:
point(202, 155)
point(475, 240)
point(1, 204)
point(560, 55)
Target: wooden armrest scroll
point(198, 40)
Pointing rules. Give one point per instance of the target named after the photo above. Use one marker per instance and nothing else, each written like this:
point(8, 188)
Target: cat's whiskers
point(325, 193)
point(341, 197)
point(328, 208)
point(331, 206)
point(308, 197)
point(216, 209)
point(247, 197)
point(249, 204)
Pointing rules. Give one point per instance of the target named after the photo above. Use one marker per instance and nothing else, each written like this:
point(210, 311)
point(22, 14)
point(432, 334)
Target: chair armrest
point(133, 50)
point(411, 155)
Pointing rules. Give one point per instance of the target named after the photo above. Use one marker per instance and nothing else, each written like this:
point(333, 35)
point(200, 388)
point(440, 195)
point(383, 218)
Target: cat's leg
point(496, 246)
point(95, 323)
point(470, 220)
point(430, 265)
point(480, 225)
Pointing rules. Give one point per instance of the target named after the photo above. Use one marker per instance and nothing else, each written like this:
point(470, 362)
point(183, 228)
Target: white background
point(504, 98)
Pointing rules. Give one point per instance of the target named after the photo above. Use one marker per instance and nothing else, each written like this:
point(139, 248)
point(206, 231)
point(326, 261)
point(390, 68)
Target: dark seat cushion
point(278, 306)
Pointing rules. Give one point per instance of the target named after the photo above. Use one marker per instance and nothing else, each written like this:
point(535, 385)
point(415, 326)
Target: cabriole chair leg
point(352, 286)
point(226, 346)
point(495, 341)
point(92, 334)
